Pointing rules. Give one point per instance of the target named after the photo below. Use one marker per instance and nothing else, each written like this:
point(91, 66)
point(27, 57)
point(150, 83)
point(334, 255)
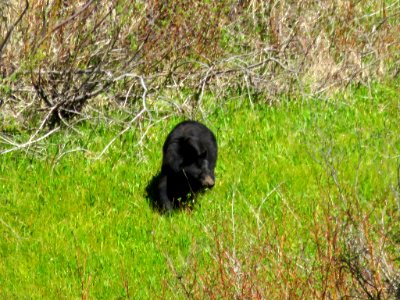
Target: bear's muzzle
point(208, 181)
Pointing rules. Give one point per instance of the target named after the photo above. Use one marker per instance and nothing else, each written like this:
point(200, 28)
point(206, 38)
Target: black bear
point(189, 158)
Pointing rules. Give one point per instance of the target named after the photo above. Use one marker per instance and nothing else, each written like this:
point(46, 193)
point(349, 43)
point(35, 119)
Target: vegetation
point(63, 59)
point(306, 205)
point(303, 97)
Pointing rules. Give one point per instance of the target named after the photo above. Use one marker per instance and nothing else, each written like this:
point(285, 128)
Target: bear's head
point(196, 166)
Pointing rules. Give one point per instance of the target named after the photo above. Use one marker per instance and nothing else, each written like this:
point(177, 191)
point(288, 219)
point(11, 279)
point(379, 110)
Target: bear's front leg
point(165, 203)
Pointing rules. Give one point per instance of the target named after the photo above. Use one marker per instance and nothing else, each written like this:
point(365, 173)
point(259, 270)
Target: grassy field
point(306, 192)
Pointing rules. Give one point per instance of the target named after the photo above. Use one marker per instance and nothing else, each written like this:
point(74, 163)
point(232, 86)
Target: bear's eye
point(203, 155)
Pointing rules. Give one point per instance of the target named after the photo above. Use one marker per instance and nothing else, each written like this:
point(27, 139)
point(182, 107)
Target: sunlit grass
point(73, 226)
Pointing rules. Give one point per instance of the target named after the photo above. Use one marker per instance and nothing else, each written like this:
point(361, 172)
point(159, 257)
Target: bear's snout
point(208, 181)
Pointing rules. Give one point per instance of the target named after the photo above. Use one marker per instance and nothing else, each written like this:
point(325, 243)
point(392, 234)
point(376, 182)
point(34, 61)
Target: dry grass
point(60, 56)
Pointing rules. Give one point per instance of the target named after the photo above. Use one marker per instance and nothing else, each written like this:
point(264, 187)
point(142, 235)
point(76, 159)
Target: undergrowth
point(63, 60)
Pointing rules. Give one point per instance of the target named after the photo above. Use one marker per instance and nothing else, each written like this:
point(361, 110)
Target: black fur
point(189, 159)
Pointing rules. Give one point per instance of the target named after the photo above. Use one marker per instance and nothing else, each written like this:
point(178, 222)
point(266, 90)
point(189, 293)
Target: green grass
point(84, 228)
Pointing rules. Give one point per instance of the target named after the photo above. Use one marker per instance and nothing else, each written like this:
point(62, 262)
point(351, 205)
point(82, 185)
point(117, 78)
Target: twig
point(144, 109)
point(121, 133)
point(59, 157)
point(30, 142)
point(11, 29)
point(67, 20)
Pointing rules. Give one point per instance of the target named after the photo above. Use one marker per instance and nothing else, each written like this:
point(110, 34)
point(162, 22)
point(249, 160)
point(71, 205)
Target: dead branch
point(11, 28)
point(129, 125)
point(121, 133)
point(30, 142)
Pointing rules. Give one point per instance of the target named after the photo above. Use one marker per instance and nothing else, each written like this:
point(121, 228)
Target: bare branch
point(121, 133)
point(30, 142)
point(11, 28)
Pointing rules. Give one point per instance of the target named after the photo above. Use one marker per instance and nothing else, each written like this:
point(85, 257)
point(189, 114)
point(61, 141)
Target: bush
point(129, 54)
